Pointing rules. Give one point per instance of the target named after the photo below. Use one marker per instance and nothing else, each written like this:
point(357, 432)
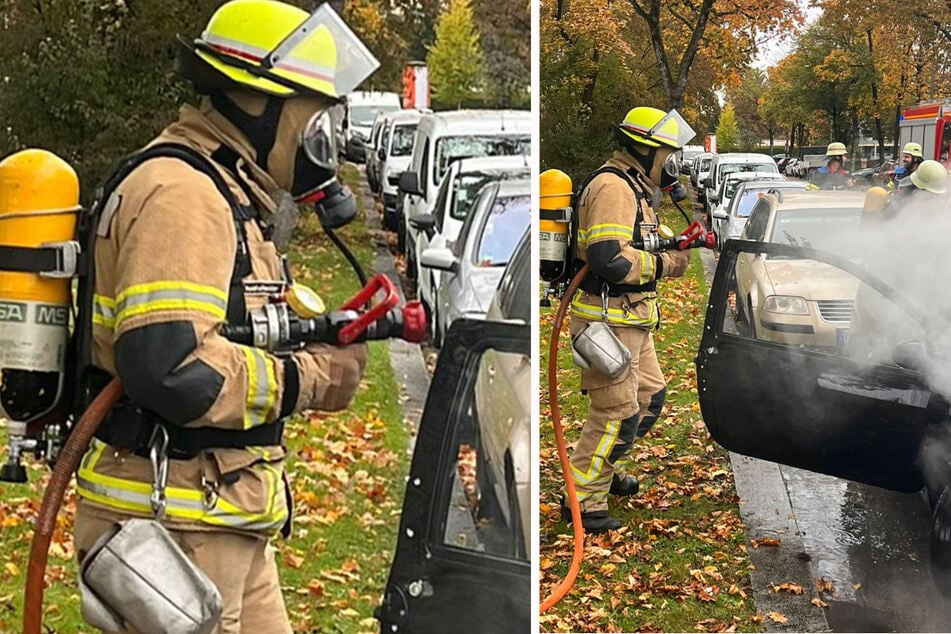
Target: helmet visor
point(319, 142)
point(354, 62)
point(678, 134)
point(672, 165)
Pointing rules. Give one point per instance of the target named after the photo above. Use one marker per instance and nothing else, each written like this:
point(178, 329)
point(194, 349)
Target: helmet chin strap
point(261, 130)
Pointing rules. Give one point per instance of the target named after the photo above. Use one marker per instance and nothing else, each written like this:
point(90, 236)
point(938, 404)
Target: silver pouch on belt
point(137, 576)
point(596, 346)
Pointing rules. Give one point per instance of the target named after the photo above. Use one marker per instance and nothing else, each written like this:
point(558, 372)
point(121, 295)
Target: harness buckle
point(67, 259)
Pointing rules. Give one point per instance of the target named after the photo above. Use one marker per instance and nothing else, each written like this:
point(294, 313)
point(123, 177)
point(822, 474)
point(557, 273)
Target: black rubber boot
point(627, 485)
point(594, 522)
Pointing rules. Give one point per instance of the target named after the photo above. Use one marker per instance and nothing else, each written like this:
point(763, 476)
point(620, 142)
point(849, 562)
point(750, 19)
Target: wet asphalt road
point(872, 544)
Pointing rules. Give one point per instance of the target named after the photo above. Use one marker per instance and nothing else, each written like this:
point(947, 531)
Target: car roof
point(750, 176)
point(745, 157)
point(517, 187)
point(480, 121)
point(806, 200)
point(367, 97)
point(503, 162)
point(405, 116)
point(774, 183)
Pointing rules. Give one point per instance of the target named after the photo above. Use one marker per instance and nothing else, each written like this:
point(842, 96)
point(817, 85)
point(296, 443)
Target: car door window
point(459, 246)
point(424, 175)
point(439, 210)
point(502, 230)
point(759, 218)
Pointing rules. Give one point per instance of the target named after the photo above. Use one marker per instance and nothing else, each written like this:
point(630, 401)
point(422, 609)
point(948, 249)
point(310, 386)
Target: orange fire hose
point(559, 591)
point(66, 465)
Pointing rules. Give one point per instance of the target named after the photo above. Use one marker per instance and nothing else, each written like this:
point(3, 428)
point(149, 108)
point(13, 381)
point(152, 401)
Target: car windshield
point(732, 168)
point(503, 230)
point(403, 136)
point(468, 185)
point(363, 116)
point(830, 230)
point(744, 206)
point(454, 147)
point(705, 164)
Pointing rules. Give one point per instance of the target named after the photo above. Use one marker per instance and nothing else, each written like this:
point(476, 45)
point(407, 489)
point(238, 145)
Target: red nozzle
point(694, 232)
point(415, 325)
point(380, 282)
point(710, 240)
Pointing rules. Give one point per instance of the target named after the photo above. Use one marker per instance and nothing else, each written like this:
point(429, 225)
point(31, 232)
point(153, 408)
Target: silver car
point(473, 264)
point(728, 223)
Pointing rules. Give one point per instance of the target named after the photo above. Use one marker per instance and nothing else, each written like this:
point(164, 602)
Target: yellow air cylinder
point(39, 203)
point(554, 224)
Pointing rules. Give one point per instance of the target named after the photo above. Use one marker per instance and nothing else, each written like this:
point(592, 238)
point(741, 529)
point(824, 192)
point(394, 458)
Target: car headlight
point(786, 305)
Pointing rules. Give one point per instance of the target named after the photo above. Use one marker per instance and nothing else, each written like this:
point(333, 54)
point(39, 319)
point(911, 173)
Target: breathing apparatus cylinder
point(39, 204)
point(554, 224)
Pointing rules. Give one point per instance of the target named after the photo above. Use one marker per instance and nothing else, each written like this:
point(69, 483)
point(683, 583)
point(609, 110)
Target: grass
point(347, 470)
point(679, 563)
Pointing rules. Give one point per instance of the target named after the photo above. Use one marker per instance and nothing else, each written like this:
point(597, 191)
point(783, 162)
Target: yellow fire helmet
point(277, 49)
point(914, 149)
point(836, 149)
point(654, 128)
point(931, 176)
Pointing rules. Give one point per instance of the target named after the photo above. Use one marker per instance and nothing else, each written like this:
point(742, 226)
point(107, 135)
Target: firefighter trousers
point(242, 566)
point(620, 411)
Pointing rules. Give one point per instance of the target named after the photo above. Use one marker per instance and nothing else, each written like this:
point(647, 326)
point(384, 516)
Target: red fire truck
point(929, 123)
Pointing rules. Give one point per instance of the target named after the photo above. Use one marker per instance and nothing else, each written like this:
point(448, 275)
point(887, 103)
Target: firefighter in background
point(911, 158)
point(174, 259)
point(833, 175)
point(621, 289)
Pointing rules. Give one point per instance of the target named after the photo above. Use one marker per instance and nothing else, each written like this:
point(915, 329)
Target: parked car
point(362, 108)
point(463, 547)
point(799, 302)
point(786, 167)
point(728, 222)
point(728, 187)
point(884, 424)
point(459, 187)
point(723, 164)
point(446, 136)
point(699, 171)
point(395, 153)
point(374, 163)
point(473, 264)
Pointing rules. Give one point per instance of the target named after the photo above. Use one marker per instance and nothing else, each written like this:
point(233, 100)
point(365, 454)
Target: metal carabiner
point(158, 456)
point(604, 302)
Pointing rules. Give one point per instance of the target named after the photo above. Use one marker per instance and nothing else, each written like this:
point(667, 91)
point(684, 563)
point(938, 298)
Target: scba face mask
point(315, 174)
point(670, 179)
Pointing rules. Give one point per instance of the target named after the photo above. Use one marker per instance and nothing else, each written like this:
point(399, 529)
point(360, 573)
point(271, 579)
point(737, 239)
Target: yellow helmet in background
point(931, 176)
point(278, 49)
point(656, 128)
point(914, 149)
point(836, 149)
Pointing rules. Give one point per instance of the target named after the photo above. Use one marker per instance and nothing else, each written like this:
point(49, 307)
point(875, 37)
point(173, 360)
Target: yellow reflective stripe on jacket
point(104, 311)
point(155, 297)
point(262, 387)
point(615, 315)
point(186, 504)
point(647, 268)
point(606, 230)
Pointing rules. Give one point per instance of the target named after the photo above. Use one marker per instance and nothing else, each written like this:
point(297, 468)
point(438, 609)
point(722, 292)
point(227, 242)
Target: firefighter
point(175, 258)
point(912, 157)
point(615, 204)
point(833, 175)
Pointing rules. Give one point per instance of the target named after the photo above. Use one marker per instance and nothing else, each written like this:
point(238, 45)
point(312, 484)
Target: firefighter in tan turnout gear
point(615, 203)
point(181, 249)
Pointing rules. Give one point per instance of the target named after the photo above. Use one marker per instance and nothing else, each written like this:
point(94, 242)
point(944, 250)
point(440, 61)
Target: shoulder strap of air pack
point(576, 202)
point(80, 349)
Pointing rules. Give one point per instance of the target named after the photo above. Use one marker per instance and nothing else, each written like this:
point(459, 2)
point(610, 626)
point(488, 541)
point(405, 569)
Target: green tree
point(728, 133)
point(455, 60)
point(504, 25)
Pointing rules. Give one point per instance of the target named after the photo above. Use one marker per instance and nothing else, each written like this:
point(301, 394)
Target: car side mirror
point(381, 154)
point(720, 213)
point(409, 183)
point(439, 258)
point(424, 222)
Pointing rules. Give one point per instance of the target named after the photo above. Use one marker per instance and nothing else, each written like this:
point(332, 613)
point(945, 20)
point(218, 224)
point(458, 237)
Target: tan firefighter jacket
point(163, 261)
point(607, 213)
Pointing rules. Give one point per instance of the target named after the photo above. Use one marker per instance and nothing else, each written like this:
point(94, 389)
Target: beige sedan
point(799, 302)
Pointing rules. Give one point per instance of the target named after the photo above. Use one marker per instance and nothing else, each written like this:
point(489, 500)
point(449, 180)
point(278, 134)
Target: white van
point(723, 164)
point(394, 154)
point(362, 108)
point(445, 136)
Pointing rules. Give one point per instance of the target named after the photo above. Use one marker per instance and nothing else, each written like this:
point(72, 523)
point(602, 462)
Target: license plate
point(841, 336)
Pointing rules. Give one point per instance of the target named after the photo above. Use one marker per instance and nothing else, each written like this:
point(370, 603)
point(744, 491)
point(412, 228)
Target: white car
point(724, 194)
point(394, 155)
point(362, 108)
point(728, 222)
point(443, 137)
point(723, 164)
point(459, 187)
point(473, 266)
point(699, 171)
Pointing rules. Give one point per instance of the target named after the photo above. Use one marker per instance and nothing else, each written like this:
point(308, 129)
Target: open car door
point(461, 560)
point(794, 382)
